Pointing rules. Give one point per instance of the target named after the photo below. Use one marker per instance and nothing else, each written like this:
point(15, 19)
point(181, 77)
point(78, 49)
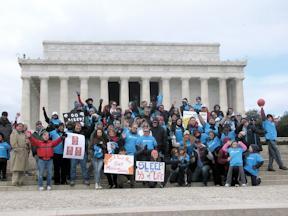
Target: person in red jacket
point(45, 153)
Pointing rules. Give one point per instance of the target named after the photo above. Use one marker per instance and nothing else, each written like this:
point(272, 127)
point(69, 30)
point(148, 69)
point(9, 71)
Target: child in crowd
point(4, 156)
point(235, 150)
point(253, 162)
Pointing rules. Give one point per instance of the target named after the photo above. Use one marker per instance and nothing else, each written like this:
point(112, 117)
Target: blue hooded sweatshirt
point(5, 150)
point(59, 148)
point(213, 144)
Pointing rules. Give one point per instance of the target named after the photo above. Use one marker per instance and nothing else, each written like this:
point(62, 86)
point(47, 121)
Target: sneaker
point(96, 186)
point(41, 188)
point(49, 188)
point(271, 170)
point(99, 186)
point(86, 182)
point(244, 185)
point(227, 185)
point(283, 168)
point(72, 183)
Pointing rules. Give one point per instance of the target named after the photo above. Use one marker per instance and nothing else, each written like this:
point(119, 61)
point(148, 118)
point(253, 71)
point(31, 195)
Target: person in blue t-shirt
point(235, 150)
point(253, 162)
point(145, 144)
point(4, 156)
point(203, 137)
point(198, 105)
point(188, 143)
point(146, 141)
point(271, 136)
point(130, 140)
point(179, 130)
point(213, 142)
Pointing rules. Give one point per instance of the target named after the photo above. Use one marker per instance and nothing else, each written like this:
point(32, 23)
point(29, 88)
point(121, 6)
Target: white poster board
point(119, 164)
point(150, 171)
point(74, 147)
point(188, 114)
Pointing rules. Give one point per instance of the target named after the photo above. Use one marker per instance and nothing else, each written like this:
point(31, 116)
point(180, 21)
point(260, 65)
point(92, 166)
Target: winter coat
point(160, 135)
point(20, 151)
point(45, 149)
point(6, 129)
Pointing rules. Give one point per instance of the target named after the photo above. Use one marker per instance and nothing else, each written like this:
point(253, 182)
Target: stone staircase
point(280, 177)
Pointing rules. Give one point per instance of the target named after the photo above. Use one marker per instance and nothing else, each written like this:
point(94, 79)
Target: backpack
point(98, 153)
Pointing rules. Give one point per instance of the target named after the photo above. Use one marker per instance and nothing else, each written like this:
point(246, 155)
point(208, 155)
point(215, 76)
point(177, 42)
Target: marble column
point(166, 92)
point(205, 92)
point(239, 96)
point(43, 98)
point(185, 88)
point(25, 103)
point(223, 98)
point(124, 92)
point(145, 89)
point(104, 91)
point(63, 96)
point(84, 88)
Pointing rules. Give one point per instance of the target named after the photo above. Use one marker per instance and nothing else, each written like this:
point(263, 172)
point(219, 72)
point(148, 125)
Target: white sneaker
point(244, 185)
point(96, 186)
point(41, 188)
point(227, 185)
point(99, 186)
point(49, 188)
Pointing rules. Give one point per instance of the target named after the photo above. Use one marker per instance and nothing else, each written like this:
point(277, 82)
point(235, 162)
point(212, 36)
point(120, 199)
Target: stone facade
point(178, 69)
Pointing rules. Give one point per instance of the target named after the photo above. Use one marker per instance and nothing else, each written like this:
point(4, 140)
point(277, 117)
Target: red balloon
point(261, 102)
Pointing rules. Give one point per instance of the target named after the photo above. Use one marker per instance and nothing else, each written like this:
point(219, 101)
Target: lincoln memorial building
point(128, 71)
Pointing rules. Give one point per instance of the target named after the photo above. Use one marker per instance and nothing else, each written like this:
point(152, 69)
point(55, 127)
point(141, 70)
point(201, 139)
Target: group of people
point(225, 147)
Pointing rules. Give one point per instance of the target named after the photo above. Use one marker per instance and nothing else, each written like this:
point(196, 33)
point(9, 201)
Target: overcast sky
point(254, 30)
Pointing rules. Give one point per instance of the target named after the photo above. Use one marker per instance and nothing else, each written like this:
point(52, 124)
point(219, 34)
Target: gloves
point(78, 93)
point(101, 100)
point(64, 135)
point(43, 108)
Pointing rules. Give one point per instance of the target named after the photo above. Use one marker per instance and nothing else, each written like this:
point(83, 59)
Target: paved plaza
point(263, 200)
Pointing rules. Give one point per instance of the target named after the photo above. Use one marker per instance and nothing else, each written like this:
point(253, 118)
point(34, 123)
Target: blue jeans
point(97, 164)
point(42, 166)
point(201, 171)
point(84, 170)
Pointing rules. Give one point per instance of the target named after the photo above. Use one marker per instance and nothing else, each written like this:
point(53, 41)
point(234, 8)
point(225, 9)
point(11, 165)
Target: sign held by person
point(119, 164)
point(188, 114)
point(74, 147)
point(73, 117)
point(151, 171)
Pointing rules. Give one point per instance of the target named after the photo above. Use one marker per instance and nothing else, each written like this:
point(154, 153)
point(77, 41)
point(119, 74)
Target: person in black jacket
point(202, 165)
point(86, 131)
point(249, 132)
point(160, 135)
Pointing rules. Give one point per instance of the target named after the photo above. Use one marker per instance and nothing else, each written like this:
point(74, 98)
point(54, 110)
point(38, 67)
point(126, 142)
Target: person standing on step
point(271, 137)
point(4, 156)
point(20, 149)
point(97, 150)
point(45, 154)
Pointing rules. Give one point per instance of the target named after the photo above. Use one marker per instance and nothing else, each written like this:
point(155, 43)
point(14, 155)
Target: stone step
point(80, 186)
